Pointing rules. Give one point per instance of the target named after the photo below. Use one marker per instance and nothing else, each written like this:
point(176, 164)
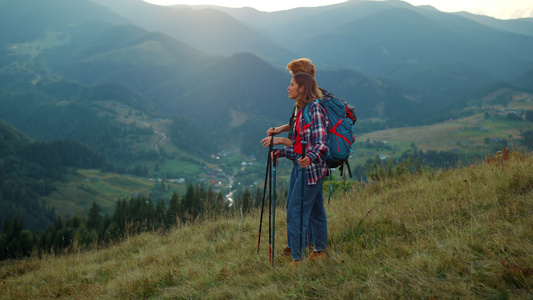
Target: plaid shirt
point(316, 136)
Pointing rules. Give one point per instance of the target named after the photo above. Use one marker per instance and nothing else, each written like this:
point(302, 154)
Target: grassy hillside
point(464, 233)
point(478, 134)
point(76, 195)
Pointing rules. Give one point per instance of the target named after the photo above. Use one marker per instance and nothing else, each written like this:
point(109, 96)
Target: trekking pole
point(264, 192)
point(274, 165)
point(270, 206)
point(302, 176)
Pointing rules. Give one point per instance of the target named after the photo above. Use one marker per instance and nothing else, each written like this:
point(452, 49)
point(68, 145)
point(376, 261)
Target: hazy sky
point(501, 9)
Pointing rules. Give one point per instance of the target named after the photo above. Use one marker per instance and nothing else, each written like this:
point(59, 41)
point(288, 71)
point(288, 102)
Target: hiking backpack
point(341, 118)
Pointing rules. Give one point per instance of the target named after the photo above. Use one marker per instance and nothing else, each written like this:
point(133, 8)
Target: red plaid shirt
point(316, 136)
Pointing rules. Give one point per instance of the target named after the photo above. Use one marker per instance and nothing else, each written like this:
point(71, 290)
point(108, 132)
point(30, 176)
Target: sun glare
point(510, 9)
point(265, 5)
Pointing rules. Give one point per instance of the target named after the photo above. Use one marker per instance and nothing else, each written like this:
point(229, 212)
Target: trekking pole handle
point(273, 129)
point(304, 147)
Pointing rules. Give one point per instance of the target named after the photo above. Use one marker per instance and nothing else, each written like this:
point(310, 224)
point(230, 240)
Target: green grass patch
point(473, 135)
point(76, 195)
point(180, 168)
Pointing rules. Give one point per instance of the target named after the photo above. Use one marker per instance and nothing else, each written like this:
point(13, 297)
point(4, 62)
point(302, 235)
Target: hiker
point(301, 65)
point(304, 89)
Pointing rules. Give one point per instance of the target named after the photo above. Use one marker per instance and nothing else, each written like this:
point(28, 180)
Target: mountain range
point(182, 59)
point(382, 38)
point(121, 75)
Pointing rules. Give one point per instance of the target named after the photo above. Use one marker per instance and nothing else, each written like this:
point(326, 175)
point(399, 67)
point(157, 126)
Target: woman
point(303, 88)
point(300, 65)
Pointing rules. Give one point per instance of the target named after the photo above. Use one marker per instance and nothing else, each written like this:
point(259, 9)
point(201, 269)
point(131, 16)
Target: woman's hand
point(273, 131)
point(274, 153)
point(277, 130)
point(304, 162)
point(266, 141)
point(276, 141)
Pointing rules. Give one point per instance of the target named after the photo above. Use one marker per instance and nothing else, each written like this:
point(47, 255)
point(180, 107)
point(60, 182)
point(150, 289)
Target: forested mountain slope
point(29, 170)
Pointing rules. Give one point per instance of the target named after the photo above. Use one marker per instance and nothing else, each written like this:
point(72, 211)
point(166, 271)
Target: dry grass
point(462, 234)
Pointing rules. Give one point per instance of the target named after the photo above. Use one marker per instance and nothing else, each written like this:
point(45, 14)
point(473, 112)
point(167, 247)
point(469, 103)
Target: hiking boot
point(315, 256)
point(295, 263)
point(286, 252)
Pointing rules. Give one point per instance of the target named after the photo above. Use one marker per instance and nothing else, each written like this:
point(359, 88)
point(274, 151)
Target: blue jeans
point(308, 237)
point(314, 214)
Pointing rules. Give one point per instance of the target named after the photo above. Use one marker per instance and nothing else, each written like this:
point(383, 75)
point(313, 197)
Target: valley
point(119, 98)
point(471, 137)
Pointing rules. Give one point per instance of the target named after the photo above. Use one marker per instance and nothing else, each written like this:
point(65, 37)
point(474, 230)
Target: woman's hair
point(301, 65)
point(310, 91)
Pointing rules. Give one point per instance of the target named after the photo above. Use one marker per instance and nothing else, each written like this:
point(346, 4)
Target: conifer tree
point(258, 197)
point(173, 210)
point(246, 201)
point(94, 219)
point(160, 211)
point(187, 203)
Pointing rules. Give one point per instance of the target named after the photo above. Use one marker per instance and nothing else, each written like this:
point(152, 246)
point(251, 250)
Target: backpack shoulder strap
point(306, 114)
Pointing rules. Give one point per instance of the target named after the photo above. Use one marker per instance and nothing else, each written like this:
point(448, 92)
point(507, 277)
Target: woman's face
point(294, 90)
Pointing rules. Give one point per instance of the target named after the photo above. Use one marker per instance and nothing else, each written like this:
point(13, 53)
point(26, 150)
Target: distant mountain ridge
point(208, 29)
point(418, 56)
point(435, 57)
point(520, 26)
point(329, 19)
point(387, 39)
point(172, 77)
point(351, 25)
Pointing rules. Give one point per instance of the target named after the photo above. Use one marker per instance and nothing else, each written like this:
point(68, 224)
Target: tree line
point(130, 217)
